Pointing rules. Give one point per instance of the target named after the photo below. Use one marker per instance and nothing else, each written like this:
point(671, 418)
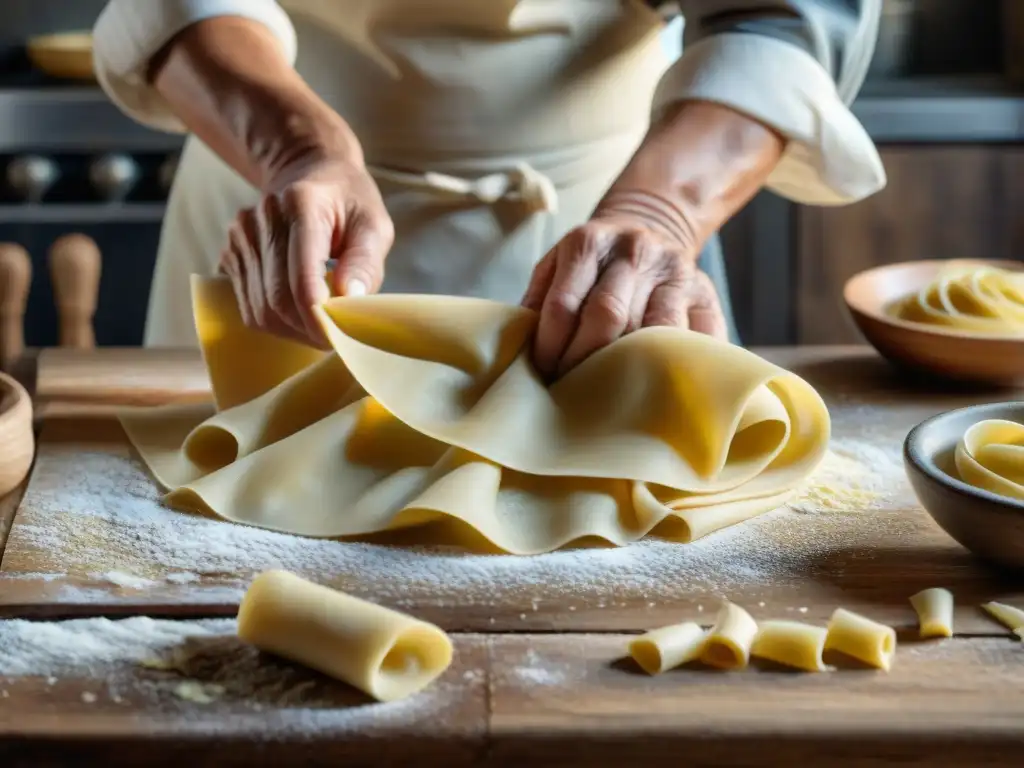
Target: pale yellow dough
point(990, 456)
point(728, 642)
point(429, 410)
point(861, 638)
point(668, 647)
point(385, 654)
point(791, 643)
point(1009, 616)
point(934, 609)
point(984, 300)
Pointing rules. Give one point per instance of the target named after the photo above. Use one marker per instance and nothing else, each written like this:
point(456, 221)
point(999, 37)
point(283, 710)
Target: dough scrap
point(990, 456)
point(429, 411)
point(668, 647)
point(1009, 616)
point(791, 643)
point(934, 608)
point(861, 638)
point(727, 645)
point(984, 300)
point(383, 653)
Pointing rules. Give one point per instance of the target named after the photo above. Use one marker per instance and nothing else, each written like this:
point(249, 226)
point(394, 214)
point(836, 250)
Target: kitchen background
point(942, 101)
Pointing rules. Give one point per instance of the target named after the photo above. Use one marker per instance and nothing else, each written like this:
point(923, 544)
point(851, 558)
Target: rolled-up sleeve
point(128, 33)
point(795, 65)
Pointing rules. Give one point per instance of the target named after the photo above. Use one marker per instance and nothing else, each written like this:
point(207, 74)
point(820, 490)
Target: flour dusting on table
point(191, 665)
point(96, 517)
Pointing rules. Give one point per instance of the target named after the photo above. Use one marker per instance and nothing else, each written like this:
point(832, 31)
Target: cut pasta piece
point(668, 647)
point(791, 643)
point(934, 612)
point(861, 638)
point(385, 654)
point(727, 645)
point(1010, 617)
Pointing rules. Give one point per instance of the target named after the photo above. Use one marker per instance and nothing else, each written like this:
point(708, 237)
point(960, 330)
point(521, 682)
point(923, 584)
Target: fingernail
point(355, 288)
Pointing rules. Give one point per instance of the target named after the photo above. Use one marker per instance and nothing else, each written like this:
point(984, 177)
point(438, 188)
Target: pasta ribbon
point(383, 653)
point(990, 456)
point(984, 300)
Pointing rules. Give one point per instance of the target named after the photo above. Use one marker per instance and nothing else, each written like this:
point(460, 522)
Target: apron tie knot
point(522, 184)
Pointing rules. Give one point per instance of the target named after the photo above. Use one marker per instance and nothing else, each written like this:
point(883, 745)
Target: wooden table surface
point(547, 684)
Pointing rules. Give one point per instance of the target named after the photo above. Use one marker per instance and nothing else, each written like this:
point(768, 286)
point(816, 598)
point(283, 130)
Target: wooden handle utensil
point(15, 279)
point(75, 264)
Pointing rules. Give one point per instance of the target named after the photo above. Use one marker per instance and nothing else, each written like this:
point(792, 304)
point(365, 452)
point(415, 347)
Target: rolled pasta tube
point(668, 647)
point(861, 638)
point(934, 609)
point(791, 643)
point(727, 645)
point(1010, 617)
point(385, 654)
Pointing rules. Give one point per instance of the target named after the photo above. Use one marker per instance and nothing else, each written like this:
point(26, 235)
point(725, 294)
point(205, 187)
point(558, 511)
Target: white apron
point(492, 128)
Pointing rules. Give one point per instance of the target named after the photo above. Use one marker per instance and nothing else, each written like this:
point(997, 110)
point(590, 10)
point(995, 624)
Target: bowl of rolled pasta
point(967, 469)
point(960, 319)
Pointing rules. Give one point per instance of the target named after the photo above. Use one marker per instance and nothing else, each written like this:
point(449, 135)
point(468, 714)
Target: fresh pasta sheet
point(428, 410)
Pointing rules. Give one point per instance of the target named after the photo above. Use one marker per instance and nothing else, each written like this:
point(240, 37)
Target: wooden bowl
point(17, 441)
point(66, 55)
point(949, 353)
point(989, 525)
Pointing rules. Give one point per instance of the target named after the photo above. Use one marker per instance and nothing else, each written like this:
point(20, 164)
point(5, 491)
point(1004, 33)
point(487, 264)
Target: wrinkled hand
point(615, 274)
point(277, 250)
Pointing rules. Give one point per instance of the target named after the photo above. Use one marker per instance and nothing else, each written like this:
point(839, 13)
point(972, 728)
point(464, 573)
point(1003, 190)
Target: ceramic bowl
point(943, 352)
point(65, 55)
point(17, 442)
point(989, 525)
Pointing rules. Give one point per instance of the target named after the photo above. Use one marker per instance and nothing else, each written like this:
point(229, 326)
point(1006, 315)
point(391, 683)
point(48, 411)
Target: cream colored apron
point(491, 126)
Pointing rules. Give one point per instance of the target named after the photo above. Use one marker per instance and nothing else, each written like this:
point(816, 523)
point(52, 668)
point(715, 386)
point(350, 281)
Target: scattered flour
point(537, 671)
point(102, 514)
point(89, 647)
point(195, 664)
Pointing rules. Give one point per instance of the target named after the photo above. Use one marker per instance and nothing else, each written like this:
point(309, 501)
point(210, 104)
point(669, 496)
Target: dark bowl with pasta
point(942, 465)
point(890, 307)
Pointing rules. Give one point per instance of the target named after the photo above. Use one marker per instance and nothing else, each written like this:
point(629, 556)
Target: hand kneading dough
point(984, 300)
point(429, 410)
point(385, 654)
point(991, 457)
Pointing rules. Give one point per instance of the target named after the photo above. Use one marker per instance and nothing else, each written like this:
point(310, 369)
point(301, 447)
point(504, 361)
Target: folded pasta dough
point(428, 409)
point(990, 456)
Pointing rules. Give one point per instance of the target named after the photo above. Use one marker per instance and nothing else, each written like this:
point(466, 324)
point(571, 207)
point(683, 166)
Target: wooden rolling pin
point(15, 279)
point(118, 376)
point(75, 274)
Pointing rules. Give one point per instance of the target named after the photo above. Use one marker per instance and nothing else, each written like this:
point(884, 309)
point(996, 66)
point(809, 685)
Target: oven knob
point(31, 176)
point(166, 173)
point(114, 176)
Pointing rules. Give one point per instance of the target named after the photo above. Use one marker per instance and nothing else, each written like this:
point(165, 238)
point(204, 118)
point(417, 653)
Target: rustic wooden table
point(541, 679)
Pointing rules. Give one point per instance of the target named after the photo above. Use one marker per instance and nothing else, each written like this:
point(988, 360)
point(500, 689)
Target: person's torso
point(436, 78)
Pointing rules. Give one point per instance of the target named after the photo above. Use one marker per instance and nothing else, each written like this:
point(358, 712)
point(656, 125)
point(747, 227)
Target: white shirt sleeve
point(795, 65)
point(128, 33)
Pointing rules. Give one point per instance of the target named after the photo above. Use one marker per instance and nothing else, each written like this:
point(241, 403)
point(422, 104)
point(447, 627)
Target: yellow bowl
point(945, 352)
point(66, 55)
